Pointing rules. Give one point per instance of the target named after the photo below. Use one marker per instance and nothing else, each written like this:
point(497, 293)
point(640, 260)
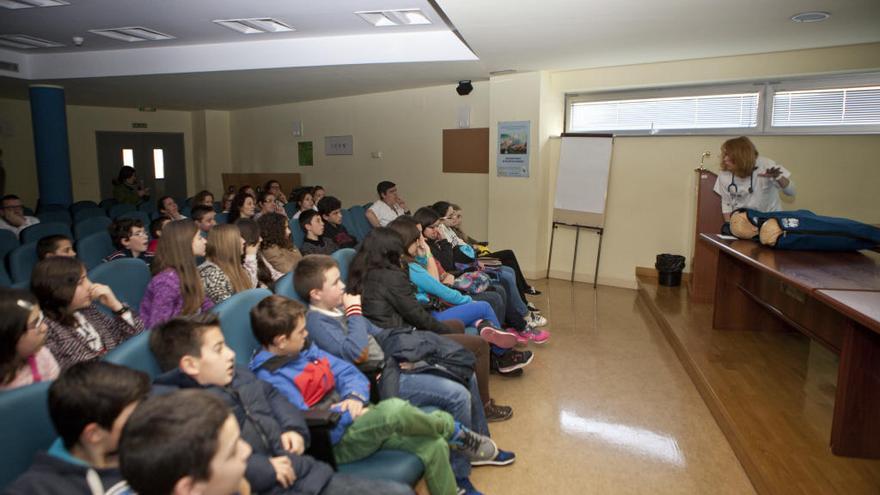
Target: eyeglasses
point(36, 325)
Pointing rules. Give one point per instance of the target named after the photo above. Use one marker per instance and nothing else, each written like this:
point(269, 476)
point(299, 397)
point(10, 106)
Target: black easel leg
point(550, 256)
point(577, 237)
point(598, 255)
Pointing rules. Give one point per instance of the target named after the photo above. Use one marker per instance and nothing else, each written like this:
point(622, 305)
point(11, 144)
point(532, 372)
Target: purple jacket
point(162, 300)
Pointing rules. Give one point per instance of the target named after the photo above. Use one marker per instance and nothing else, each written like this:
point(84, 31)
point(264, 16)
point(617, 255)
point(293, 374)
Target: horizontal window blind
point(827, 107)
point(687, 112)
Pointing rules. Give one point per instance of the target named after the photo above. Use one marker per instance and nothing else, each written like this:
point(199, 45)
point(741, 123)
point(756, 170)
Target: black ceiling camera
point(464, 87)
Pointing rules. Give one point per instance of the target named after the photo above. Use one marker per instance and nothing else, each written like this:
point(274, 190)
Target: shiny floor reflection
point(639, 441)
point(606, 408)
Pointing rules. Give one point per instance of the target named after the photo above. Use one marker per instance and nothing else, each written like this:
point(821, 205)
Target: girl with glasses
point(24, 359)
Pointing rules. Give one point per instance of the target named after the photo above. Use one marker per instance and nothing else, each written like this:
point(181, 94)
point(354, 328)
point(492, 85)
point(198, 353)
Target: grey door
point(158, 157)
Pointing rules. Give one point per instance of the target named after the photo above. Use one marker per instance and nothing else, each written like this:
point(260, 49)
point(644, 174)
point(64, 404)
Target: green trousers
point(396, 424)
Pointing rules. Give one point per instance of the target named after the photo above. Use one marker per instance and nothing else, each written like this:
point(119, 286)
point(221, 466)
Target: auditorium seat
point(36, 232)
point(296, 233)
point(235, 321)
point(343, 258)
point(54, 216)
point(138, 215)
point(93, 248)
point(85, 213)
point(90, 225)
point(135, 353)
point(26, 428)
point(284, 287)
point(8, 242)
point(127, 277)
point(119, 209)
point(21, 262)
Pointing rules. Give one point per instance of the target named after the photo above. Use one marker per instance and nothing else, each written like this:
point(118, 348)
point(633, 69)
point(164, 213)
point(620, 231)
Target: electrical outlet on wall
point(377, 155)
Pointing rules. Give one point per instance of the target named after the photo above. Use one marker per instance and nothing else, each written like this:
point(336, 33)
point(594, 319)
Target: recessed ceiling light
point(401, 17)
point(256, 26)
point(24, 41)
point(132, 34)
point(815, 16)
point(29, 4)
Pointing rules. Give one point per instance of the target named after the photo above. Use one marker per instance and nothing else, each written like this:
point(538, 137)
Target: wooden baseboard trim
point(644, 271)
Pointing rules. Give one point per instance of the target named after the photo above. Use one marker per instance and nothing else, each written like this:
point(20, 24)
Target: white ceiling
point(572, 34)
point(335, 53)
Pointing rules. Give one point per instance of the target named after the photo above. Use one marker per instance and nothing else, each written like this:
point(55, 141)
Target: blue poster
point(513, 149)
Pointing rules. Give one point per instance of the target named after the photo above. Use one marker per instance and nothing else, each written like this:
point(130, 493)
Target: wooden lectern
point(709, 221)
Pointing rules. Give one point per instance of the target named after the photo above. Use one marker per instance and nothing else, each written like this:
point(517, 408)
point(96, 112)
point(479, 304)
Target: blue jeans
point(465, 406)
point(468, 313)
point(508, 278)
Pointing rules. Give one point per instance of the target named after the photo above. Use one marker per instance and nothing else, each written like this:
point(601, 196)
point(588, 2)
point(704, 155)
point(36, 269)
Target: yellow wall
point(82, 122)
point(650, 206)
point(406, 126)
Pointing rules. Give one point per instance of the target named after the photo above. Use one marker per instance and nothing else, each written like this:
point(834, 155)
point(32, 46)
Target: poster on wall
point(306, 153)
point(338, 145)
point(513, 149)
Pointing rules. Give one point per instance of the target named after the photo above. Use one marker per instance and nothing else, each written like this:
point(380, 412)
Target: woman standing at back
point(176, 288)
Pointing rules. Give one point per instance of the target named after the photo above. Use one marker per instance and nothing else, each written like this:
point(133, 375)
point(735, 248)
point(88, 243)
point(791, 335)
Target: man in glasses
point(12, 215)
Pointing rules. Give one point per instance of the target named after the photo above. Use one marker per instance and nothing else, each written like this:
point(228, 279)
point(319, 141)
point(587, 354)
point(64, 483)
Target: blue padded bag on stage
point(805, 231)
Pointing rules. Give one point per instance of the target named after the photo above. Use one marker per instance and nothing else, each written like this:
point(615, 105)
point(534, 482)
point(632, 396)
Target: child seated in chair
point(184, 443)
point(24, 358)
point(89, 405)
point(205, 218)
point(330, 209)
point(55, 245)
point(130, 239)
point(313, 379)
point(315, 243)
point(193, 355)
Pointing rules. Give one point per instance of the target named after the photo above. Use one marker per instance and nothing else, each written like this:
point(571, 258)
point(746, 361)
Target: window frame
point(766, 90)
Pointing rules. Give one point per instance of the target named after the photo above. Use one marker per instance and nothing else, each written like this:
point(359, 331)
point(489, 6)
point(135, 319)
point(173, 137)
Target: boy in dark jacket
point(89, 404)
point(193, 354)
point(183, 443)
point(313, 379)
point(330, 209)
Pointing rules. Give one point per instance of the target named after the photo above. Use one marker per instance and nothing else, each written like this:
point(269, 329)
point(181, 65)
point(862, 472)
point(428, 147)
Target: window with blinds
point(841, 104)
point(729, 111)
point(827, 107)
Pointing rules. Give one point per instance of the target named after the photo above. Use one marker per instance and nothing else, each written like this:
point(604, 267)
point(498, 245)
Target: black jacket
point(339, 235)
point(389, 300)
point(263, 415)
point(50, 475)
point(428, 353)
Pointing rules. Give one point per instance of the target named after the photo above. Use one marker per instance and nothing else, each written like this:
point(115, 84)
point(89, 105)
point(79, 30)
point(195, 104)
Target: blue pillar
point(50, 143)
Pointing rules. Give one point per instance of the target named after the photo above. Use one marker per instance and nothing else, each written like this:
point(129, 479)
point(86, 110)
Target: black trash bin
point(669, 268)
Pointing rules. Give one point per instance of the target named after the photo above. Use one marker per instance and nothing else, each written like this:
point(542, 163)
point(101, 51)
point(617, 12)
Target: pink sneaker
point(499, 338)
point(522, 338)
point(538, 336)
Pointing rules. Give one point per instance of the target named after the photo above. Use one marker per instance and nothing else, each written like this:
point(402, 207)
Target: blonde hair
point(742, 153)
point(224, 250)
point(175, 251)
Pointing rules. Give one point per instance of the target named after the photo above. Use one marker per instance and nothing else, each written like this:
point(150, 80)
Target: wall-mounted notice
point(338, 145)
point(306, 153)
point(513, 149)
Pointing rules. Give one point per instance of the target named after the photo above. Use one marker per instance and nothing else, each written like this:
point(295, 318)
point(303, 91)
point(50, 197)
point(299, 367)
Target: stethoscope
point(734, 190)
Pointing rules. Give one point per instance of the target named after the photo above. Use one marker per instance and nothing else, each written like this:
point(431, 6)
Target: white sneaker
point(535, 319)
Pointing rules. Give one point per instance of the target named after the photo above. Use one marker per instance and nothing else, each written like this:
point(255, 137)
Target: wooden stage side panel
point(709, 221)
point(765, 290)
point(772, 394)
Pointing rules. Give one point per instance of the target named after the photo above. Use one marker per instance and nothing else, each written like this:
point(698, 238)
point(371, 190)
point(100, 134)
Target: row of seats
point(27, 427)
point(93, 242)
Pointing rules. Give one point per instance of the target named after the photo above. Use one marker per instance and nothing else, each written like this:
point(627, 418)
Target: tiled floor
point(606, 408)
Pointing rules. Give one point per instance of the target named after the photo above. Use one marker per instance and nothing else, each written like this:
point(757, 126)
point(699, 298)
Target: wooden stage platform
point(772, 394)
